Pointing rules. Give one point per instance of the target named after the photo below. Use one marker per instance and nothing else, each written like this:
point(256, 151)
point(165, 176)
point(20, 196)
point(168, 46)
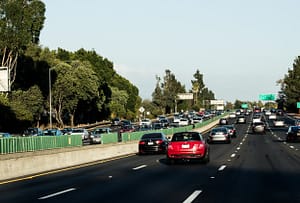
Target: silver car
point(259, 127)
point(219, 134)
point(81, 131)
point(96, 135)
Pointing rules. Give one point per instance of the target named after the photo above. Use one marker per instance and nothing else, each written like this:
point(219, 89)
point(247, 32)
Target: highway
point(253, 168)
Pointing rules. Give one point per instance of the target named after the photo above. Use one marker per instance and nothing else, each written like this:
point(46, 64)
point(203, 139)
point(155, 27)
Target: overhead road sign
point(267, 97)
point(244, 106)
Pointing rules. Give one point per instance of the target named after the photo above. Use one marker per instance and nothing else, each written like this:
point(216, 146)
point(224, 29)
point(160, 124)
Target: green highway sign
point(267, 97)
point(245, 106)
point(298, 105)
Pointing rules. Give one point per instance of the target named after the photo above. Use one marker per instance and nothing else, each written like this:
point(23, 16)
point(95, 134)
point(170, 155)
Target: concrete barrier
point(26, 164)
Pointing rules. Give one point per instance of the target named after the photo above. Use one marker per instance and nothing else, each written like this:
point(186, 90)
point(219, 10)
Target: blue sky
point(241, 47)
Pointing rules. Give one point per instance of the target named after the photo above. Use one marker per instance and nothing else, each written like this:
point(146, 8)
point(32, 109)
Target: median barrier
point(25, 164)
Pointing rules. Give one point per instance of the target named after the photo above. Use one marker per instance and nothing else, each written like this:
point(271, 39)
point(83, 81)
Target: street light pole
point(50, 100)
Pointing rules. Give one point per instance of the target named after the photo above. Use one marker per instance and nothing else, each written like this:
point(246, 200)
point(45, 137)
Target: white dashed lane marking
point(222, 168)
point(57, 193)
point(193, 196)
point(139, 167)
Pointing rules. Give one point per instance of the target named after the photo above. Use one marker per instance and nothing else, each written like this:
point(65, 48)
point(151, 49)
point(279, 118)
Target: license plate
point(150, 143)
point(185, 146)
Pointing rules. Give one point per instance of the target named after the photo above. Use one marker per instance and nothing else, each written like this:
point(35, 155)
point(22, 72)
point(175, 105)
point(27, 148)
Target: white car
point(145, 122)
point(278, 123)
point(272, 117)
point(268, 113)
point(183, 122)
point(81, 131)
point(232, 115)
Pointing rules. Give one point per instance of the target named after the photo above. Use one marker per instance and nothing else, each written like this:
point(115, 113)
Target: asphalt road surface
point(253, 168)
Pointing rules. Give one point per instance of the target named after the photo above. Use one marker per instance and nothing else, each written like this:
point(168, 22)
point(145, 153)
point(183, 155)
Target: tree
point(20, 23)
point(170, 89)
point(30, 102)
point(157, 95)
point(198, 86)
point(118, 102)
point(74, 83)
point(290, 86)
point(203, 94)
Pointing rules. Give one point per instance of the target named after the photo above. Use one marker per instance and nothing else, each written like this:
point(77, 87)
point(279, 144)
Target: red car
point(127, 129)
point(188, 146)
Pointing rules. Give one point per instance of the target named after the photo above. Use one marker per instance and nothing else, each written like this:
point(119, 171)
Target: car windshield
point(101, 131)
point(186, 136)
point(77, 131)
point(152, 135)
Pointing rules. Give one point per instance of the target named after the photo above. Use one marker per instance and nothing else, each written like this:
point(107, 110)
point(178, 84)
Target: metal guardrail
point(36, 143)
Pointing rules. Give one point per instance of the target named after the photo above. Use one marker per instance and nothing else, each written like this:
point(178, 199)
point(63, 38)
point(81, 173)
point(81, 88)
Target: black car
point(164, 122)
point(232, 130)
point(155, 142)
point(293, 134)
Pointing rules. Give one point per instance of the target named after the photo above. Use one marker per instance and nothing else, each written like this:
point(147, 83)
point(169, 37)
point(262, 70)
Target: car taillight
point(142, 142)
point(170, 147)
point(201, 145)
point(158, 141)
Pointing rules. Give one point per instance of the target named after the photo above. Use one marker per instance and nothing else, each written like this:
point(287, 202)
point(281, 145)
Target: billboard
point(185, 96)
point(217, 102)
point(4, 79)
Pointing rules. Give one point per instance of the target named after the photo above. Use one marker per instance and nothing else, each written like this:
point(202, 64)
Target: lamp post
point(50, 99)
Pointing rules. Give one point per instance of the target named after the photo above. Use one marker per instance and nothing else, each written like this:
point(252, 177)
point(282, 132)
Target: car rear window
point(152, 135)
point(186, 136)
point(295, 129)
point(219, 130)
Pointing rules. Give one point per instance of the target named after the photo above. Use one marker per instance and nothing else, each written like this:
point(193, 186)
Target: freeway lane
point(253, 168)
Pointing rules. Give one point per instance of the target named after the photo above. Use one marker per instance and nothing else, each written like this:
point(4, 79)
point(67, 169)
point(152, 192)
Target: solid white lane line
point(222, 168)
point(193, 196)
point(139, 167)
point(57, 193)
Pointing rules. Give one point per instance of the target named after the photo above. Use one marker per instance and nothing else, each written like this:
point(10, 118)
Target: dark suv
point(293, 134)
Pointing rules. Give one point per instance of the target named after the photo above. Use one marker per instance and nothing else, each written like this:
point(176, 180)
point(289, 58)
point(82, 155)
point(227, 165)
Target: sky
point(241, 47)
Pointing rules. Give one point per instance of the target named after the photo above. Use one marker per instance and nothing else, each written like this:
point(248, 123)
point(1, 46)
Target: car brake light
point(201, 145)
point(142, 142)
point(170, 146)
point(158, 141)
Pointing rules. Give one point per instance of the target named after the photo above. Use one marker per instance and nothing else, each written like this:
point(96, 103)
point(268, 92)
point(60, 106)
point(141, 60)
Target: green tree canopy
point(166, 92)
point(20, 24)
point(74, 82)
point(290, 86)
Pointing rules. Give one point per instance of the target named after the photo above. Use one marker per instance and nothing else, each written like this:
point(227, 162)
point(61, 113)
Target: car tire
point(170, 161)
point(206, 158)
